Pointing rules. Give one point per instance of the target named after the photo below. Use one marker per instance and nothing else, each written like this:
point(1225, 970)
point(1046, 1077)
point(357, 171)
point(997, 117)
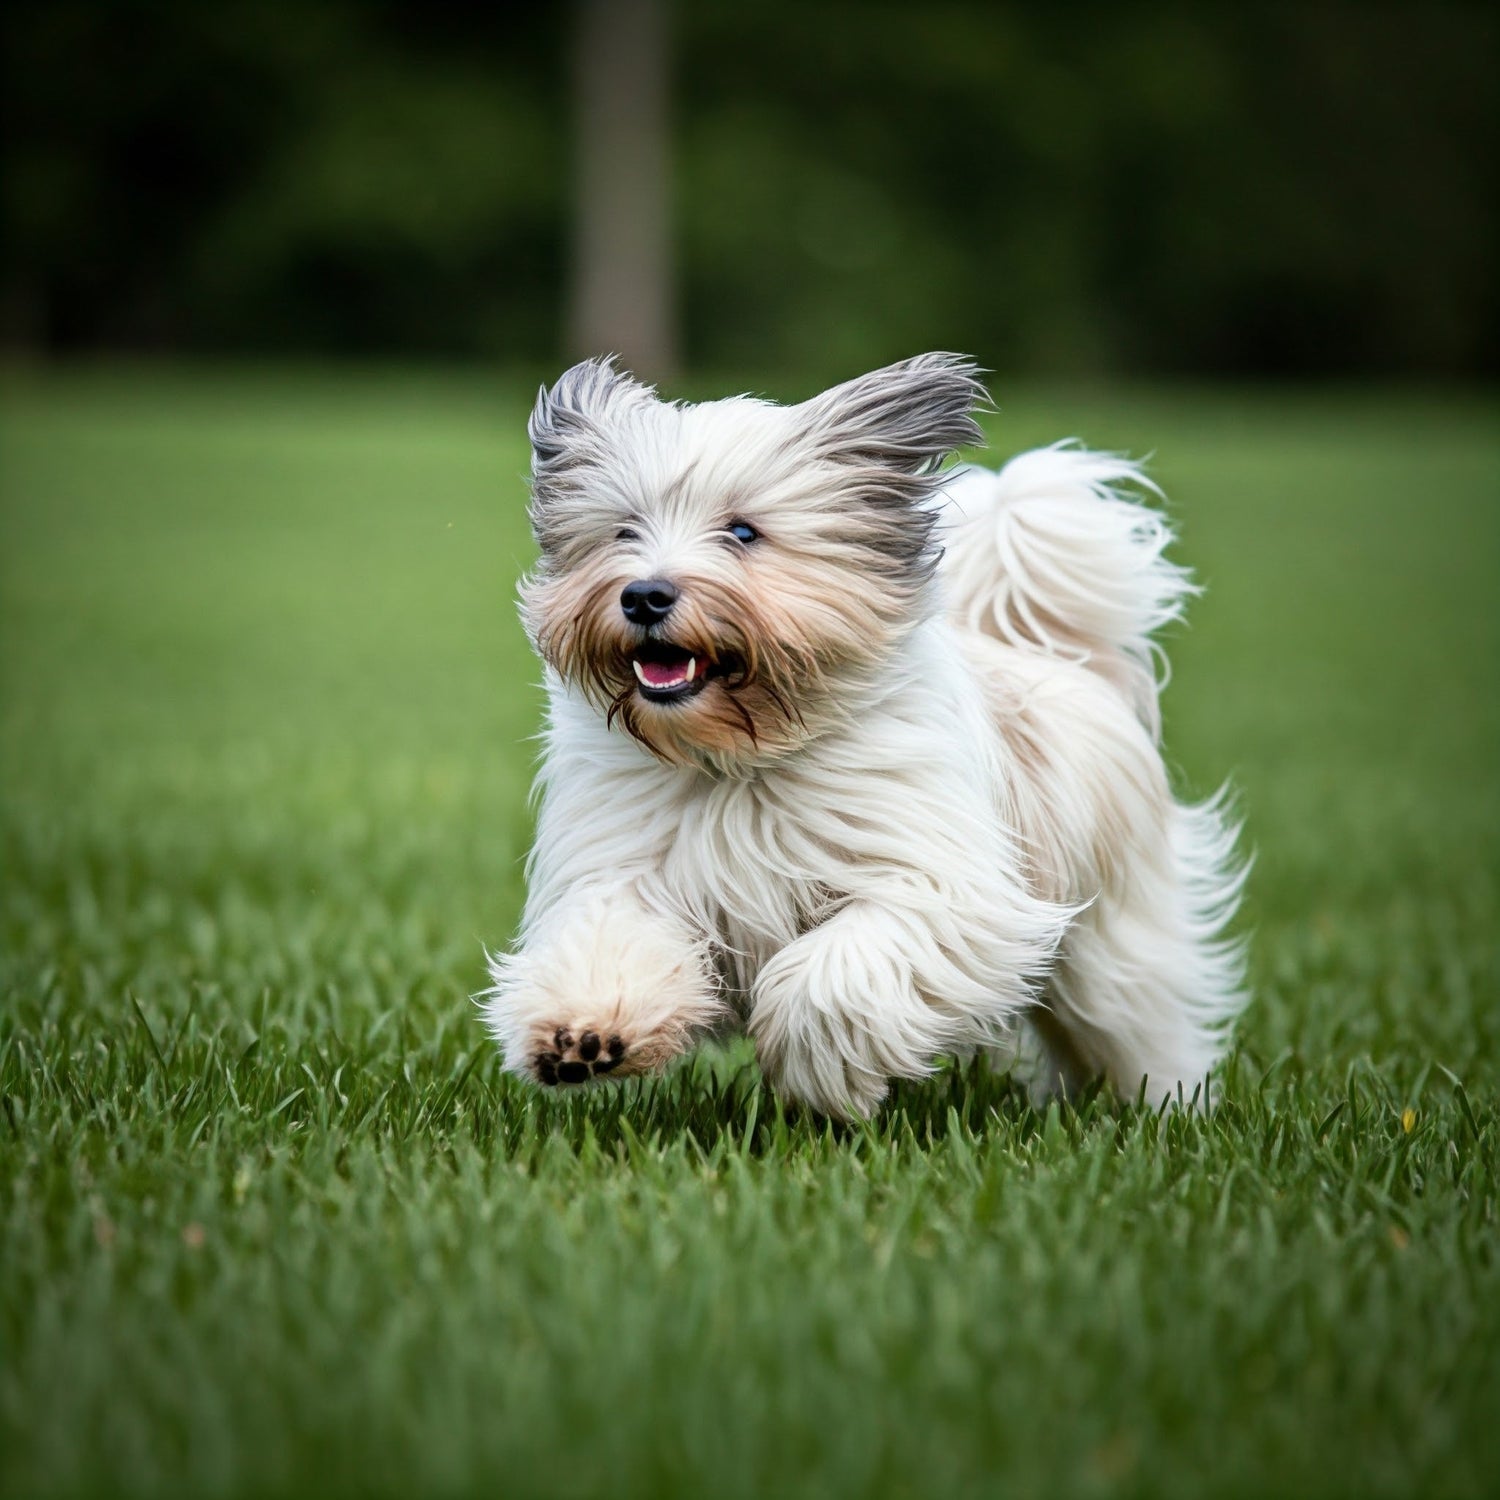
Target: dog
point(856, 751)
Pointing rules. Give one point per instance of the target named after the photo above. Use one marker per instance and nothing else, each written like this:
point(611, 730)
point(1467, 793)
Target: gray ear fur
point(580, 399)
point(889, 431)
point(908, 416)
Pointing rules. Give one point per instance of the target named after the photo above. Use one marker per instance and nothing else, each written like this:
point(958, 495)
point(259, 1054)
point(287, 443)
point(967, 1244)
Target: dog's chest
point(759, 860)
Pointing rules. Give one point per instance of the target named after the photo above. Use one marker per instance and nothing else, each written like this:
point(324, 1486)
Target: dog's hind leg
point(1039, 1056)
point(1146, 984)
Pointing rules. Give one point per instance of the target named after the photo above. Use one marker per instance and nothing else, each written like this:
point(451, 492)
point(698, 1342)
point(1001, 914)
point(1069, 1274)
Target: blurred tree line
point(1154, 187)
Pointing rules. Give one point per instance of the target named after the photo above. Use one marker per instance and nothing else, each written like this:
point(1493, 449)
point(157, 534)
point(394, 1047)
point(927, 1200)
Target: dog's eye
point(742, 531)
point(627, 534)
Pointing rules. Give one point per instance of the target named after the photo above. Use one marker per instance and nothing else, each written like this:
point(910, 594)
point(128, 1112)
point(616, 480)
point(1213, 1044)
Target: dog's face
point(710, 575)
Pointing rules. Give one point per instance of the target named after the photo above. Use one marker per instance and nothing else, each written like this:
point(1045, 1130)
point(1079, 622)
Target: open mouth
point(669, 673)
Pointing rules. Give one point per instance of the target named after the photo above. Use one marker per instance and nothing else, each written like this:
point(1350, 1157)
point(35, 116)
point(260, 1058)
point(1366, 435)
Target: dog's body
point(860, 753)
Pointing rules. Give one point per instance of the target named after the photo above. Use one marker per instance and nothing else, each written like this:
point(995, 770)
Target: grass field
point(271, 1221)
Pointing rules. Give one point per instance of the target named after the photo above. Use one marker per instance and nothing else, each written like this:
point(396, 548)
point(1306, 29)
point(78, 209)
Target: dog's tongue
point(660, 674)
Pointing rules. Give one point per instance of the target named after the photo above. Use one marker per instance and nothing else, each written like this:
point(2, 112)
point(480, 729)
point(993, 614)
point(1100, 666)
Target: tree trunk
point(622, 299)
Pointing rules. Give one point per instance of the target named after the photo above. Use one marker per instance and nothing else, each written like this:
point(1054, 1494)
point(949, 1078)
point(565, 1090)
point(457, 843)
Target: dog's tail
point(1056, 552)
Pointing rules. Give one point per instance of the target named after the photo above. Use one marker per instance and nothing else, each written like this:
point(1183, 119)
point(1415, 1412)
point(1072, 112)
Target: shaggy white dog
point(858, 752)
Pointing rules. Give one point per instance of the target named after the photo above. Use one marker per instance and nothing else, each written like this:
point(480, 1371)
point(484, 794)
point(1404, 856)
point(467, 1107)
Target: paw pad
point(573, 1059)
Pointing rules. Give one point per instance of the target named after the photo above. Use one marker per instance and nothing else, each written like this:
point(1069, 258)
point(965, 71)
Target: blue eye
point(743, 531)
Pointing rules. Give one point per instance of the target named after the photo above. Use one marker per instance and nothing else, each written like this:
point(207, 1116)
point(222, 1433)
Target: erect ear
point(908, 416)
point(565, 418)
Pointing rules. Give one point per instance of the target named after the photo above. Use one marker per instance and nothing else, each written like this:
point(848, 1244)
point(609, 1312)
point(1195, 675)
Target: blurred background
point(1091, 189)
point(277, 282)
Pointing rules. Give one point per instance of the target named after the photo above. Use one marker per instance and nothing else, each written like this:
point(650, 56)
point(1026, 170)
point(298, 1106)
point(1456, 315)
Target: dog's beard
point(723, 679)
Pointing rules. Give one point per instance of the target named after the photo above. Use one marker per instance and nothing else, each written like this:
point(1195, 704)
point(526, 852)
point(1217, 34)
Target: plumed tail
point(1057, 552)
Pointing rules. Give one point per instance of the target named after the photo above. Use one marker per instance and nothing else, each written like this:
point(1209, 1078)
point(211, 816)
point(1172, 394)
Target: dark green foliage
point(272, 1221)
point(1158, 186)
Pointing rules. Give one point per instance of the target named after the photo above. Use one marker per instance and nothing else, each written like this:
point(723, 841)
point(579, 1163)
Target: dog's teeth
point(640, 675)
point(692, 667)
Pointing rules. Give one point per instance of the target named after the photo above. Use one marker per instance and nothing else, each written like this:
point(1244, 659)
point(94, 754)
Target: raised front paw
point(569, 1056)
point(611, 991)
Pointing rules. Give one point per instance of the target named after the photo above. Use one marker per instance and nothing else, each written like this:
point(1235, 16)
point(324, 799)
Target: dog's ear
point(888, 432)
point(572, 433)
point(568, 416)
point(907, 417)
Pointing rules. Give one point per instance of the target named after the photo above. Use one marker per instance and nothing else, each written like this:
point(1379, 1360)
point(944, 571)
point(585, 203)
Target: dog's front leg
point(863, 998)
point(601, 985)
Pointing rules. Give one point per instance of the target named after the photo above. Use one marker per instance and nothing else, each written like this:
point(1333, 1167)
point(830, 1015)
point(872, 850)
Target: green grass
point(272, 1221)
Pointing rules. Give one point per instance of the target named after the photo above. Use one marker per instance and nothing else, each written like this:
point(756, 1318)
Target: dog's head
point(712, 575)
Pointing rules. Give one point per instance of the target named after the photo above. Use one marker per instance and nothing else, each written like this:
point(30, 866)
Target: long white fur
point(974, 832)
point(1057, 551)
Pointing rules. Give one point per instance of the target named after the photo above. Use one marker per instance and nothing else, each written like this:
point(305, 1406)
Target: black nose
point(647, 601)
